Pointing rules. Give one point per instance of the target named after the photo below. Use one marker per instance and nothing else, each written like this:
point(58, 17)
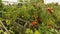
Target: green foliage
point(26, 13)
point(0, 1)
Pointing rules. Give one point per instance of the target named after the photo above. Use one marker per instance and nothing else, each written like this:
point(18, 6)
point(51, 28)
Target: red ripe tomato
point(50, 10)
point(34, 23)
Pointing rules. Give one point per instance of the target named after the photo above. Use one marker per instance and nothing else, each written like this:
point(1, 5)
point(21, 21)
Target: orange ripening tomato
point(34, 23)
point(50, 10)
point(38, 19)
point(50, 26)
point(34, 4)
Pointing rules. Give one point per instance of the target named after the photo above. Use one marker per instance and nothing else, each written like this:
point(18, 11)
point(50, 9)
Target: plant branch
point(4, 27)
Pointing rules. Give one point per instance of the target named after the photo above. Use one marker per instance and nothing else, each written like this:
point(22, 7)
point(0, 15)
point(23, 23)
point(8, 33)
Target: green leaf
point(37, 32)
point(8, 22)
point(28, 31)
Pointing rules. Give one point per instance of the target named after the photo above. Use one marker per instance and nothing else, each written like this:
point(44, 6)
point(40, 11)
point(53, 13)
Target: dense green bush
point(17, 19)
